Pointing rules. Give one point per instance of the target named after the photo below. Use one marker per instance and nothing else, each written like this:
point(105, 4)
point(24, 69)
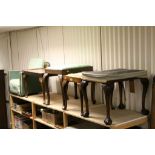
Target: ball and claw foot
point(64, 108)
point(76, 97)
point(145, 112)
point(121, 106)
point(112, 107)
point(108, 121)
point(47, 103)
point(94, 101)
point(86, 114)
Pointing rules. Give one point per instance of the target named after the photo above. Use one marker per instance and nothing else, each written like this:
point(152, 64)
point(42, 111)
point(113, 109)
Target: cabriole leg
point(93, 92)
point(84, 85)
point(45, 79)
point(75, 90)
point(121, 105)
point(108, 89)
point(145, 84)
point(43, 88)
point(64, 93)
point(81, 98)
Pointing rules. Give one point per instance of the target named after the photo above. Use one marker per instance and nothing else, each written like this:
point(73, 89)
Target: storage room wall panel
point(5, 60)
point(27, 47)
point(55, 52)
point(14, 51)
point(24, 47)
point(82, 45)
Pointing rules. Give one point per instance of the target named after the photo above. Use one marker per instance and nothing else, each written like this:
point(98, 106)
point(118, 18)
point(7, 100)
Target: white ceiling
point(13, 28)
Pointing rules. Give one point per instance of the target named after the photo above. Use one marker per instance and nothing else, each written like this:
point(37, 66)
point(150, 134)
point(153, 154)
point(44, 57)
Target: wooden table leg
point(75, 90)
point(145, 84)
point(43, 88)
point(93, 92)
point(64, 93)
point(111, 96)
point(61, 80)
point(81, 98)
point(45, 79)
point(108, 89)
point(84, 85)
point(121, 105)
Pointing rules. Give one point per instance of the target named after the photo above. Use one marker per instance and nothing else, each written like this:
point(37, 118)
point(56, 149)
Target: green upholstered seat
point(67, 69)
point(115, 74)
point(16, 83)
point(15, 86)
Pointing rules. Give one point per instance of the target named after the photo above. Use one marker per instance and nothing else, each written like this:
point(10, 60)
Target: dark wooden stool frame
point(82, 85)
point(107, 88)
point(44, 74)
point(108, 91)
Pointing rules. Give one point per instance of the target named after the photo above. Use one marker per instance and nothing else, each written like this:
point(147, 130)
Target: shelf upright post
point(33, 115)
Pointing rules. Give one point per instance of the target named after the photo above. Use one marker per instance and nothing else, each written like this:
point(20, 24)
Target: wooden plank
point(120, 118)
point(19, 112)
point(37, 119)
point(33, 115)
point(131, 123)
point(55, 102)
point(65, 120)
point(28, 99)
point(12, 121)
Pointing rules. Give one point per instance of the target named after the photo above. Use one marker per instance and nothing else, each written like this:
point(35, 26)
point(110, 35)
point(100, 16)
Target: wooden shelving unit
point(121, 118)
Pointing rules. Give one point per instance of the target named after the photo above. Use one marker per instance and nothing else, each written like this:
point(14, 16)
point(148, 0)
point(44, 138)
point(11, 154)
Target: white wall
point(5, 51)
point(102, 47)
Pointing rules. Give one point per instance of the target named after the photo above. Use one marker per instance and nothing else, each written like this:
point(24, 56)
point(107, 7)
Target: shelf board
point(20, 97)
point(19, 112)
point(38, 119)
point(120, 118)
point(55, 102)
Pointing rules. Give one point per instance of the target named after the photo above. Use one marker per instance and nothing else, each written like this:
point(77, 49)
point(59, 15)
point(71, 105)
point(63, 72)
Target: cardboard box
point(51, 116)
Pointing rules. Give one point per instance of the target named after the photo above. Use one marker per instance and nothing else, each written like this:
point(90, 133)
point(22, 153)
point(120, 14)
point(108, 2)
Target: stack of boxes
point(22, 122)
